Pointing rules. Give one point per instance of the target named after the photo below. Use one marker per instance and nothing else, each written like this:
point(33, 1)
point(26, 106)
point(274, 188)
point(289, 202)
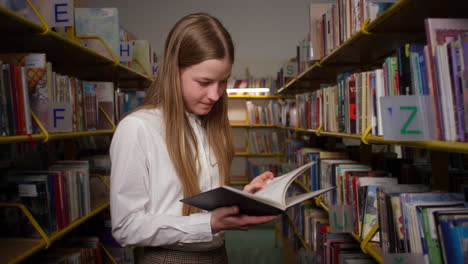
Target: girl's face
point(204, 83)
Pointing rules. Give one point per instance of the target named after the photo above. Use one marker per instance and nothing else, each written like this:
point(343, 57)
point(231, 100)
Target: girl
point(177, 144)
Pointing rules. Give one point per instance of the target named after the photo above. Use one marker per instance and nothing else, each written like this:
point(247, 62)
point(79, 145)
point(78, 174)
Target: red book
point(352, 103)
point(397, 82)
point(63, 197)
point(57, 201)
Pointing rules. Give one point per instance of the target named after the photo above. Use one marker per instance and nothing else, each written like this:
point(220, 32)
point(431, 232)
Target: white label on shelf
point(407, 118)
point(403, 258)
point(27, 190)
point(60, 117)
point(290, 70)
point(59, 13)
point(35, 60)
point(126, 51)
point(341, 219)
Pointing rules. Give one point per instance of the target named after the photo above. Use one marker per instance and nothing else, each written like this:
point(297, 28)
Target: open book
point(271, 200)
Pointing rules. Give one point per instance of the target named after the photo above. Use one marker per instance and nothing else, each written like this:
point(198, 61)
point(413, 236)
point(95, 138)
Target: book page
point(276, 189)
point(305, 196)
point(264, 200)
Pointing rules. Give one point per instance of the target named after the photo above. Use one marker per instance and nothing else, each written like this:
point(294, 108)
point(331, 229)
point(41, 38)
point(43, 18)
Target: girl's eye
point(204, 83)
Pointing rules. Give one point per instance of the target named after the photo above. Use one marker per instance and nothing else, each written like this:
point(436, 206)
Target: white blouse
point(146, 191)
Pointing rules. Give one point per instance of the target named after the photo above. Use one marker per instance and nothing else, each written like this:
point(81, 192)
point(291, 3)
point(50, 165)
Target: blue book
point(453, 232)
point(423, 68)
point(406, 198)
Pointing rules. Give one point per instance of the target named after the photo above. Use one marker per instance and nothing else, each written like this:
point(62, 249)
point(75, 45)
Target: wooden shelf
point(15, 250)
point(56, 136)
point(438, 145)
point(67, 56)
point(401, 24)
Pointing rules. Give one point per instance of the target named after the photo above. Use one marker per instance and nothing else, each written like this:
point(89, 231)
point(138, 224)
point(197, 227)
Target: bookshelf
point(66, 54)
point(15, 250)
point(71, 58)
point(239, 117)
point(369, 139)
point(402, 23)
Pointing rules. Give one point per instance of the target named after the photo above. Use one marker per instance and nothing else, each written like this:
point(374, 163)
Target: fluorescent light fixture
point(248, 90)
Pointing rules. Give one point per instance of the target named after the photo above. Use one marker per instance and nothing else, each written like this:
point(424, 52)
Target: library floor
point(256, 246)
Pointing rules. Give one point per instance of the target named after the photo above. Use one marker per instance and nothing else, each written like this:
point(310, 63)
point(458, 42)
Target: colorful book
point(102, 22)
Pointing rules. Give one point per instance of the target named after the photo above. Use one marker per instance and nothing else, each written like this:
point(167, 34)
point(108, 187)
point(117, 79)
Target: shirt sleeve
point(131, 223)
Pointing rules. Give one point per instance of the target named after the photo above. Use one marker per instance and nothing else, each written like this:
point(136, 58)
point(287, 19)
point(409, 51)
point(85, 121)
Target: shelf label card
point(290, 70)
point(402, 258)
point(56, 13)
point(60, 117)
point(341, 218)
point(126, 51)
point(407, 118)
point(27, 190)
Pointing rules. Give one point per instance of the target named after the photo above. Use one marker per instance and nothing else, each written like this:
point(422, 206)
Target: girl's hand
point(228, 218)
point(259, 182)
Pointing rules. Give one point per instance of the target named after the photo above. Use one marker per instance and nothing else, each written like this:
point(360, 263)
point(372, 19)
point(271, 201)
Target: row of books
point(79, 22)
point(264, 142)
point(55, 197)
point(261, 114)
point(332, 24)
point(28, 83)
point(61, 103)
point(324, 246)
point(437, 70)
point(256, 167)
point(127, 101)
point(412, 217)
point(350, 106)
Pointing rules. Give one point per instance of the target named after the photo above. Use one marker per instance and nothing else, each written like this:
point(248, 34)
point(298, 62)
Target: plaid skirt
point(158, 255)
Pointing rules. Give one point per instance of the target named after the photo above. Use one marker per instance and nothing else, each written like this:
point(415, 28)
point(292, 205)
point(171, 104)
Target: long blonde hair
point(194, 39)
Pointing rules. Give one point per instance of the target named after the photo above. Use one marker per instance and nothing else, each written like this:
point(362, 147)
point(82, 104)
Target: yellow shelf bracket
point(369, 237)
point(364, 26)
point(114, 58)
point(38, 14)
point(296, 232)
point(365, 136)
point(41, 126)
point(107, 117)
point(319, 202)
point(108, 254)
point(31, 218)
point(102, 178)
point(319, 131)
